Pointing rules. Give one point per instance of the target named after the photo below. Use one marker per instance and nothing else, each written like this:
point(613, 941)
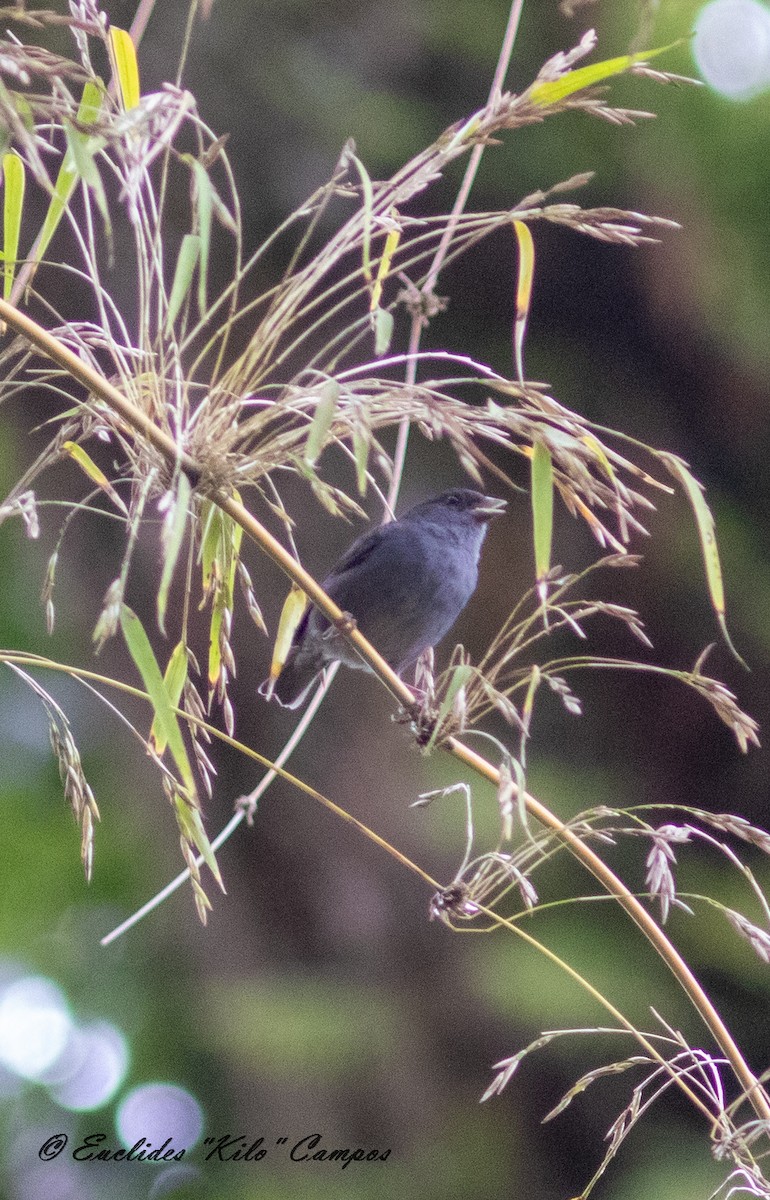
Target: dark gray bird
point(405, 584)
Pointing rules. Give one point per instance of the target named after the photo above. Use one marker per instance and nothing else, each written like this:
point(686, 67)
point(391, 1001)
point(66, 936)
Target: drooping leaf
point(368, 203)
point(87, 464)
point(542, 511)
point(13, 205)
point(361, 444)
point(88, 113)
point(291, 614)
point(322, 420)
point(189, 256)
point(174, 529)
point(707, 533)
point(174, 679)
point(523, 292)
point(144, 659)
point(383, 331)
point(204, 208)
point(126, 66)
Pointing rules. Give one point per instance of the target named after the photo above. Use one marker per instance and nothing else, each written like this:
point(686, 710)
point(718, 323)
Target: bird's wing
point(359, 551)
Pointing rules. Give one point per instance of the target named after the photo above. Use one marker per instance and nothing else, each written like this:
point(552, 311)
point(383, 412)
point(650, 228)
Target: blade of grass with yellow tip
point(523, 292)
point(13, 205)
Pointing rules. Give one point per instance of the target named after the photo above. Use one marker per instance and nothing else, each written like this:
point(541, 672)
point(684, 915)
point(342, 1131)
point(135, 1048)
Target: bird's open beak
point(492, 507)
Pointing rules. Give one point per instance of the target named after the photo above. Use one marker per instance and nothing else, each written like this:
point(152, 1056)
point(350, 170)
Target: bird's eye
point(453, 501)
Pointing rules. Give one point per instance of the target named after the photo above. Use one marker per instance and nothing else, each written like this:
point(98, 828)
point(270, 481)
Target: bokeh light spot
point(157, 1111)
point(35, 1025)
point(732, 47)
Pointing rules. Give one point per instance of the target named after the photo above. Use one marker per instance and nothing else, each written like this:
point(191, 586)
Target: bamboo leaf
point(174, 678)
point(361, 441)
point(291, 614)
point(173, 535)
point(211, 515)
point(84, 149)
point(383, 331)
point(87, 464)
point(368, 202)
point(126, 66)
point(189, 255)
point(551, 91)
point(88, 113)
point(13, 205)
point(191, 827)
point(523, 292)
point(204, 208)
point(542, 511)
point(707, 533)
point(322, 421)
point(220, 550)
point(144, 659)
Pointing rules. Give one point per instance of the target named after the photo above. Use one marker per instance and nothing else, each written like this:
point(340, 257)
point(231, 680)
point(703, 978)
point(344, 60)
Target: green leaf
point(368, 199)
point(707, 533)
point(13, 204)
point(88, 112)
point(174, 529)
point(144, 659)
point(204, 207)
point(191, 826)
point(87, 464)
point(322, 420)
point(361, 441)
point(553, 90)
point(84, 149)
point(189, 254)
point(220, 547)
point(174, 678)
point(383, 331)
point(542, 508)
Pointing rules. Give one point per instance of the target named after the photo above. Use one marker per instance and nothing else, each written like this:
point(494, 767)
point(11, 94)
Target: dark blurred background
point(320, 998)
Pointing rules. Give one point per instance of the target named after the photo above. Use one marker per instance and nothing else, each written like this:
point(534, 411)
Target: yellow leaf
point(126, 66)
point(523, 291)
point(13, 203)
point(87, 464)
point(551, 91)
point(291, 614)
